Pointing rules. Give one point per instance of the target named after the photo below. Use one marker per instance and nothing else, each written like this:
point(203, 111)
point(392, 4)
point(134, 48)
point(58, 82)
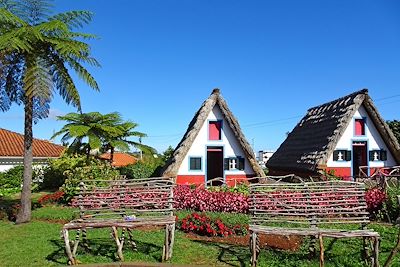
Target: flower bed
point(53, 198)
point(202, 224)
point(200, 199)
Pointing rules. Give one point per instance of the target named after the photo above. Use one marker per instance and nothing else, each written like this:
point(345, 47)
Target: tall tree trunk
point(111, 155)
point(88, 152)
point(24, 214)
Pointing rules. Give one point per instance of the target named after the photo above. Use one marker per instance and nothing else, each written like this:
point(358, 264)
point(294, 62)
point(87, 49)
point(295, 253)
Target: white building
point(344, 136)
point(12, 150)
point(264, 156)
point(213, 147)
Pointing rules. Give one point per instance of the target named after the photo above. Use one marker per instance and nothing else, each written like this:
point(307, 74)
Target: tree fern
point(37, 52)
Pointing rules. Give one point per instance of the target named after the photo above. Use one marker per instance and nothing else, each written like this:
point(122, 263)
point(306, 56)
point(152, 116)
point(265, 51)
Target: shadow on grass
point(9, 208)
point(240, 256)
point(101, 247)
point(229, 254)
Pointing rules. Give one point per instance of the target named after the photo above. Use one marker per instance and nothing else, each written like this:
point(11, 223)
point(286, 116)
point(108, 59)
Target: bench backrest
point(129, 199)
point(309, 203)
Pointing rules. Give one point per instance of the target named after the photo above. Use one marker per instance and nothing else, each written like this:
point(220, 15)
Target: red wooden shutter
point(360, 127)
point(214, 130)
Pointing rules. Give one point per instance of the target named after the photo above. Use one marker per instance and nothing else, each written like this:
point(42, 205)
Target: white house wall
point(372, 136)
point(11, 162)
point(229, 142)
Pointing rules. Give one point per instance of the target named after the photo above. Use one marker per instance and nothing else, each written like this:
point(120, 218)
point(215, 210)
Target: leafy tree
point(87, 130)
point(94, 130)
point(37, 52)
point(167, 154)
point(121, 142)
point(394, 125)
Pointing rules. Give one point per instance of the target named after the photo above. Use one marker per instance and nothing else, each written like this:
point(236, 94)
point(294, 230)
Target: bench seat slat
point(79, 223)
point(314, 231)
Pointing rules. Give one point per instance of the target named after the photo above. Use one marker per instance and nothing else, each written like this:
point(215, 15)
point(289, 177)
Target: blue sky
point(272, 61)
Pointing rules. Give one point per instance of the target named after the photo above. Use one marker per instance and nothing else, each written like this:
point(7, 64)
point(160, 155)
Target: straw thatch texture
point(314, 138)
point(172, 166)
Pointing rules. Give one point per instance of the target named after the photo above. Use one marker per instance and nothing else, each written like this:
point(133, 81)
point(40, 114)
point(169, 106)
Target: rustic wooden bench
point(124, 205)
point(311, 209)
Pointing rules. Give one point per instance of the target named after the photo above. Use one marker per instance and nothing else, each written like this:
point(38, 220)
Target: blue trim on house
point(201, 163)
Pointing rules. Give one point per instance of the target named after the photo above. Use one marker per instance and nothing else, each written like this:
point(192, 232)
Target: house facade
point(213, 147)
point(363, 145)
point(344, 136)
point(12, 150)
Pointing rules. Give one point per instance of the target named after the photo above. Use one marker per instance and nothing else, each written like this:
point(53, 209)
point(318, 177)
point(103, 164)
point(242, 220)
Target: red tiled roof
point(120, 159)
point(12, 145)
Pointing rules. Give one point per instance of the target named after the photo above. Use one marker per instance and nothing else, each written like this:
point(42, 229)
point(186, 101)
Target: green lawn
point(39, 244)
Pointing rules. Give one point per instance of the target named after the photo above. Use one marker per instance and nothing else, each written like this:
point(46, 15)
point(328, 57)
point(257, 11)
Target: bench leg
point(130, 239)
point(254, 248)
point(72, 260)
point(77, 239)
point(168, 242)
point(85, 242)
point(312, 247)
point(321, 251)
point(119, 242)
point(375, 252)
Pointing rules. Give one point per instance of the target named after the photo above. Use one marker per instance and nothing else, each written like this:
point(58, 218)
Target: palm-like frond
point(37, 80)
point(10, 5)
point(50, 45)
point(83, 74)
point(74, 19)
point(7, 18)
point(35, 11)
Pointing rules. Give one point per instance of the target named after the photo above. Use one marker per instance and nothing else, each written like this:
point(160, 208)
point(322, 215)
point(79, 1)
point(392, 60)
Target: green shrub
point(391, 203)
point(54, 176)
point(95, 170)
point(139, 170)
point(242, 188)
point(12, 178)
point(11, 181)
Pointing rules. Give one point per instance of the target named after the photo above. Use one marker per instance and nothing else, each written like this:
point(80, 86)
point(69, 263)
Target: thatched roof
point(172, 166)
point(314, 138)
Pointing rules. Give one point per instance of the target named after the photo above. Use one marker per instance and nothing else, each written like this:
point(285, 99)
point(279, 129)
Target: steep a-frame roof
point(12, 145)
point(172, 166)
point(315, 137)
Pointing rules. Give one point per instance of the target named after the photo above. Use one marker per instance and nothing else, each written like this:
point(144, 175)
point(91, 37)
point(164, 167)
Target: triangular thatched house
point(213, 146)
point(342, 135)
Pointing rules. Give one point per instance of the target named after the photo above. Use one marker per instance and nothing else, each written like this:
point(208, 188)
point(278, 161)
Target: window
point(214, 130)
point(195, 164)
point(341, 155)
point(234, 163)
point(359, 126)
point(377, 155)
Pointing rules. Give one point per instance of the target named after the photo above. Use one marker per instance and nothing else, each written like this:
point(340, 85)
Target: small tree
point(87, 130)
point(394, 125)
point(94, 130)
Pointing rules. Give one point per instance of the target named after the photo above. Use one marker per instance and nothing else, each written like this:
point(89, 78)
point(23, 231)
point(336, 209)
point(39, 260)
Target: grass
point(38, 243)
